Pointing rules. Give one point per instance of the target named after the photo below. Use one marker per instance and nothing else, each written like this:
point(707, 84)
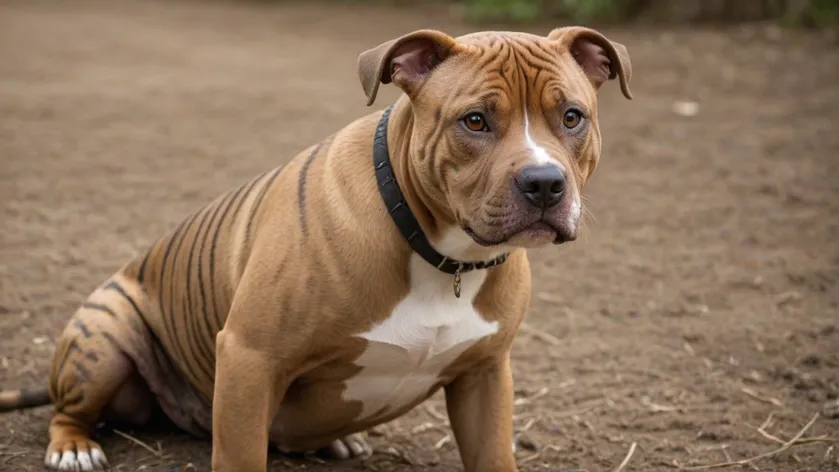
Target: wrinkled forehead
point(485, 38)
point(519, 66)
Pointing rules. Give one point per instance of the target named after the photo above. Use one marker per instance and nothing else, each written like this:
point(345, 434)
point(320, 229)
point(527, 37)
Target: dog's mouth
point(539, 230)
point(481, 241)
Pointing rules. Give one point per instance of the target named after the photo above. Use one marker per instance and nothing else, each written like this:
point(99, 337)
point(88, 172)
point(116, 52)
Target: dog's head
point(504, 128)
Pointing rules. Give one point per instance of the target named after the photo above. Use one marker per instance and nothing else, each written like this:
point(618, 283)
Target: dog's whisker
point(588, 218)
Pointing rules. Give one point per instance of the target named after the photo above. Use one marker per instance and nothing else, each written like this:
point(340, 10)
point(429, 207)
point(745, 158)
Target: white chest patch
point(426, 332)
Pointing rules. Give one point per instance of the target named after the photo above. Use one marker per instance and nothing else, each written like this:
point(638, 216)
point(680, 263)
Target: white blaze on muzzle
point(539, 154)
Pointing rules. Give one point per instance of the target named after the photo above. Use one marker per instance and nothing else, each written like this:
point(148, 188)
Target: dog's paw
point(348, 447)
point(78, 455)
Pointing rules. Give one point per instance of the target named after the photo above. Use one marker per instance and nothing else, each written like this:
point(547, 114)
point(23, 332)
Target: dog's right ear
point(405, 61)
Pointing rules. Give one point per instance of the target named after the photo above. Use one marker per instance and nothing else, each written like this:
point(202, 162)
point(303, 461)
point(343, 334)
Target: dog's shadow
point(160, 445)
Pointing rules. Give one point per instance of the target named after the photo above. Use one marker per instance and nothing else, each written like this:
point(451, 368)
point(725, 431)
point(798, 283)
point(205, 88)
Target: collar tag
point(457, 283)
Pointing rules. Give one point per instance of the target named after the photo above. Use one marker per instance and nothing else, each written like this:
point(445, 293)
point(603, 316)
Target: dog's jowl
point(378, 266)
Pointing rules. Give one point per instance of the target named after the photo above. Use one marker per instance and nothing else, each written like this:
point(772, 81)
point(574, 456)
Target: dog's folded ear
point(600, 59)
point(405, 61)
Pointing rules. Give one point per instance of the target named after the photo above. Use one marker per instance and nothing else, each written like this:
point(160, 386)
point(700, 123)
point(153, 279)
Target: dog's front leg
point(248, 389)
point(480, 407)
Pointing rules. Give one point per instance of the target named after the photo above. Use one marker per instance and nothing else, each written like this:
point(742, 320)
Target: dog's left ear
point(599, 58)
point(405, 61)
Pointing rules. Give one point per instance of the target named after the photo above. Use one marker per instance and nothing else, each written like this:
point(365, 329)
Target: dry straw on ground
point(798, 439)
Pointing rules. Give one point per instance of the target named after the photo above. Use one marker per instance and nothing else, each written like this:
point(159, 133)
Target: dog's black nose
point(542, 185)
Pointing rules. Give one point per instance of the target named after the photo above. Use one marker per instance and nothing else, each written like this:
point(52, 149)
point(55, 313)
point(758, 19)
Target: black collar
point(404, 218)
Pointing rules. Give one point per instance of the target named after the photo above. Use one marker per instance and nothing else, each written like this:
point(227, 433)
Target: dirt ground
point(703, 299)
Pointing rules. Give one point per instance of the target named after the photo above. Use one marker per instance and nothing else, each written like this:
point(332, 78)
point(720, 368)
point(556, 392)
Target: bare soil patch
point(702, 300)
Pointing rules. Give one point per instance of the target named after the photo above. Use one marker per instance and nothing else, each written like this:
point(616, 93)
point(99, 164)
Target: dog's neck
point(434, 215)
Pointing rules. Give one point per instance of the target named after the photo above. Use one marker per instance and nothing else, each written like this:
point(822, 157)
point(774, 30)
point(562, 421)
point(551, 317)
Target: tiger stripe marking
point(189, 364)
point(189, 307)
point(66, 401)
point(301, 187)
point(258, 202)
point(73, 345)
point(168, 318)
point(113, 285)
point(212, 269)
point(79, 324)
point(83, 371)
point(98, 307)
point(202, 254)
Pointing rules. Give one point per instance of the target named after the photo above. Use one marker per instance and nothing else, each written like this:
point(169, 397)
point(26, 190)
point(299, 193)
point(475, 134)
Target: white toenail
point(340, 450)
point(98, 457)
point(84, 461)
point(68, 461)
point(357, 448)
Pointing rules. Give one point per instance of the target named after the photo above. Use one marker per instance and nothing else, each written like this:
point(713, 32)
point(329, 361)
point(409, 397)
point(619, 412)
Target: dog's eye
point(572, 118)
point(475, 122)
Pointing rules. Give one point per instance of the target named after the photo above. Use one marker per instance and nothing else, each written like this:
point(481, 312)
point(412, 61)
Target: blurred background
point(696, 319)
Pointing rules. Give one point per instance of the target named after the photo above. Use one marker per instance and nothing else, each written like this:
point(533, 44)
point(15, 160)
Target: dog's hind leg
point(92, 379)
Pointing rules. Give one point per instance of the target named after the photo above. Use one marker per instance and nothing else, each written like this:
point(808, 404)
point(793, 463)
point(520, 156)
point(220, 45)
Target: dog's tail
point(24, 398)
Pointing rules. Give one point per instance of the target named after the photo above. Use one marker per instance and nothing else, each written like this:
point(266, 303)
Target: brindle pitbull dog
point(337, 293)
